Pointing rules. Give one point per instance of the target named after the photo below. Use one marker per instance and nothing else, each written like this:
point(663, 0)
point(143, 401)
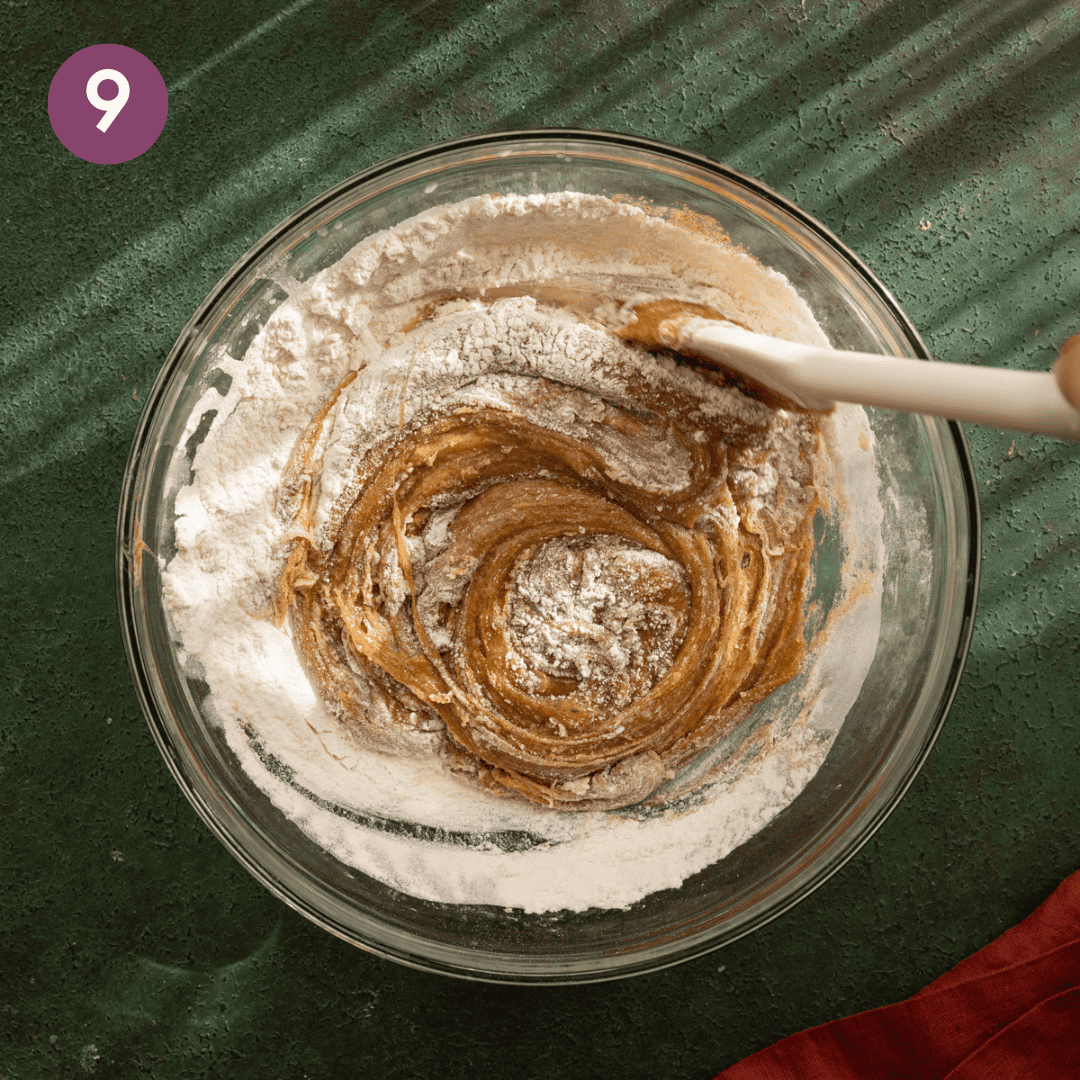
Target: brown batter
point(716, 613)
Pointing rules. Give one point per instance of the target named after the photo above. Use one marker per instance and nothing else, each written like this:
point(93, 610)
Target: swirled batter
point(563, 563)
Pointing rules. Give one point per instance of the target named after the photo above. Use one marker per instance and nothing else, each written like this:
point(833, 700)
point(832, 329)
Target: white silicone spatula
point(1046, 403)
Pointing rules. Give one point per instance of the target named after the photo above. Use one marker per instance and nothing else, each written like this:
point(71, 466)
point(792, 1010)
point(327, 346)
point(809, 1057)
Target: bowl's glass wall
point(931, 535)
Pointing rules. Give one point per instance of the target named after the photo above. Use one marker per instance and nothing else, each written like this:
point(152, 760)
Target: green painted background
point(940, 140)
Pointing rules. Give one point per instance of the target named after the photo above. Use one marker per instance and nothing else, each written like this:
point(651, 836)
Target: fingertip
point(1067, 371)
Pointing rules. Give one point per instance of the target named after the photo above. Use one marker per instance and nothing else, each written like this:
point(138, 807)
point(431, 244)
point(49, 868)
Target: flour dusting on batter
point(454, 555)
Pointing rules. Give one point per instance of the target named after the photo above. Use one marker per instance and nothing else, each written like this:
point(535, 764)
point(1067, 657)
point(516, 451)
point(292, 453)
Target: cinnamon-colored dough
point(445, 598)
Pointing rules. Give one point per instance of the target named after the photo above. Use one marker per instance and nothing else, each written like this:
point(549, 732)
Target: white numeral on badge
point(110, 108)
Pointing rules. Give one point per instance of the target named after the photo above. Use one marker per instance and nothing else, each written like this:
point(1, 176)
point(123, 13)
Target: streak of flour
point(217, 585)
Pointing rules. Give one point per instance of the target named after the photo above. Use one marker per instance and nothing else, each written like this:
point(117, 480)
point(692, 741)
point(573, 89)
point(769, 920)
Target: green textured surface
point(940, 140)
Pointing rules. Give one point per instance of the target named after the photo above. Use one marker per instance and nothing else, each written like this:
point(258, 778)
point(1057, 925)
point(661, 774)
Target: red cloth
point(1010, 1011)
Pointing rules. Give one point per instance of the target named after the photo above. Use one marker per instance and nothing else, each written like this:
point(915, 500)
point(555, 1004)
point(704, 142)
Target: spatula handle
point(1047, 403)
point(1019, 400)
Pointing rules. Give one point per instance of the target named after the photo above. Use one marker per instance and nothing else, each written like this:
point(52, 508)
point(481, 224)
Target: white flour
point(462, 845)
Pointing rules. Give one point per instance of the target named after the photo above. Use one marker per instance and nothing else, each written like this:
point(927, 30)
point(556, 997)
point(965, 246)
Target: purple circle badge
point(108, 104)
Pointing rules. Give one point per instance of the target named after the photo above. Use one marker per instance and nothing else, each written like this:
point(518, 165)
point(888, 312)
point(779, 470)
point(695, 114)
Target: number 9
point(111, 108)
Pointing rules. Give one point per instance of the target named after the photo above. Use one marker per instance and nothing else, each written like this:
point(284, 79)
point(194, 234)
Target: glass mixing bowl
point(928, 600)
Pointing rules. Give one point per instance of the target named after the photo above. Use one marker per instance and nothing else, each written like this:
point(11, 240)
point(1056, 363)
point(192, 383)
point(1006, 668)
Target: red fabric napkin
point(1010, 1011)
